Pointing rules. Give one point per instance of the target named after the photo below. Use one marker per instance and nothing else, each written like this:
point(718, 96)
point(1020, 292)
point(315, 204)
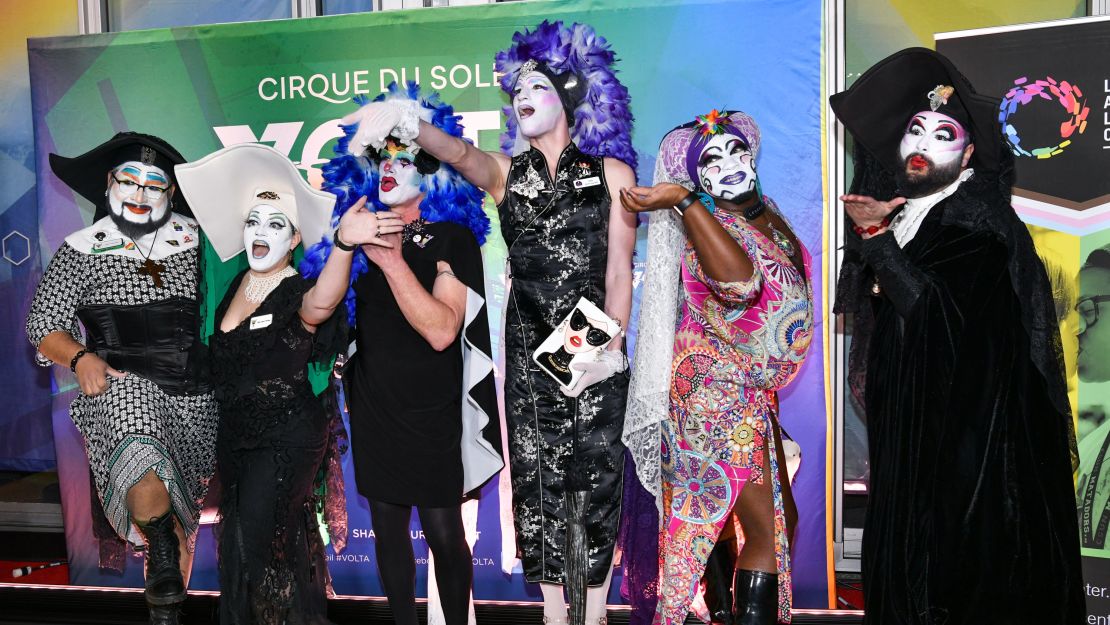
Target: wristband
point(872, 229)
point(681, 207)
point(340, 244)
point(76, 357)
point(707, 202)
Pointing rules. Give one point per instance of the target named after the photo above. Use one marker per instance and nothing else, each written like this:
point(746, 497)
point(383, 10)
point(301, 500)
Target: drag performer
point(424, 425)
point(275, 433)
point(144, 409)
point(567, 238)
point(971, 512)
point(739, 333)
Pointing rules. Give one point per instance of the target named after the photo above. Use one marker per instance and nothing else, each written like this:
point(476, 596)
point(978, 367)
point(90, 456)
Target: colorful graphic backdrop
point(287, 82)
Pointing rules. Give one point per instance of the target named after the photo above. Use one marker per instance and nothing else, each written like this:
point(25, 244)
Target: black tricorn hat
point(88, 174)
point(877, 107)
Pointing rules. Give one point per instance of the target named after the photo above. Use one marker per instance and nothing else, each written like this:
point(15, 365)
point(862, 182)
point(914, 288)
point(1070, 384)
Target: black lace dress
point(273, 435)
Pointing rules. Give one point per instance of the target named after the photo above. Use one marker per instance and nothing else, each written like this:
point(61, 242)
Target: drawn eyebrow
point(156, 178)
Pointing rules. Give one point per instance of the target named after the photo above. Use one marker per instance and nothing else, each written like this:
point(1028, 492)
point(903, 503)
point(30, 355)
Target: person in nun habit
point(144, 408)
point(956, 355)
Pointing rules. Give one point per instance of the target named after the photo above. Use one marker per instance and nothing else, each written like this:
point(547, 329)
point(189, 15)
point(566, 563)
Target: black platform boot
point(719, 571)
point(757, 598)
point(165, 588)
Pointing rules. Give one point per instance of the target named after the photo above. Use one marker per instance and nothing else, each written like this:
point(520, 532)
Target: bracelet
point(681, 207)
point(872, 229)
point(76, 357)
point(340, 244)
point(707, 202)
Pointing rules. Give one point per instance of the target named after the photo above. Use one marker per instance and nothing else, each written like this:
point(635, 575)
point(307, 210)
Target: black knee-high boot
point(165, 588)
point(757, 597)
point(719, 571)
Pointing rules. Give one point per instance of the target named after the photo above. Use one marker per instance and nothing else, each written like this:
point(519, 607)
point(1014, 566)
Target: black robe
point(971, 512)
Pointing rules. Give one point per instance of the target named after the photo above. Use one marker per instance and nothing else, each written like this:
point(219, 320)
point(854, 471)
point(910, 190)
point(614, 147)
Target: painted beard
point(920, 176)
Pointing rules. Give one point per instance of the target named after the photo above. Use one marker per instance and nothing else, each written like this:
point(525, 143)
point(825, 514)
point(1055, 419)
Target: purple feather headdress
point(602, 118)
point(448, 196)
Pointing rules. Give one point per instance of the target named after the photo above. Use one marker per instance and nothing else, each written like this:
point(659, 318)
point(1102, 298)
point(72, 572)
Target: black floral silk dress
point(557, 237)
point(273, 436)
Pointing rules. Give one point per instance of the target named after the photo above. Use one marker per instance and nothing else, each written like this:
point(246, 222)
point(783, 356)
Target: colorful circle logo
point(1067, 96)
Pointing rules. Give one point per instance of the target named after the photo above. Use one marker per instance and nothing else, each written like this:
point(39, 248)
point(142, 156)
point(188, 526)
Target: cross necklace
point(150, 267)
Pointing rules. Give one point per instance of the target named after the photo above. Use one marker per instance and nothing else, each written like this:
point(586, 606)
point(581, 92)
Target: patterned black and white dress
point(557, 234)
point(135, 426)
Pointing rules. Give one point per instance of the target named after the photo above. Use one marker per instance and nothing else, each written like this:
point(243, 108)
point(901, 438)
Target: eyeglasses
point(595, 336)
point(129, 187)
point(1088, 309)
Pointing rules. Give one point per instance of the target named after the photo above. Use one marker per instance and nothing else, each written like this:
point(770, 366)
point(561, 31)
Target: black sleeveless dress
point(272, 438)
point(557, 237)
point(405, 397)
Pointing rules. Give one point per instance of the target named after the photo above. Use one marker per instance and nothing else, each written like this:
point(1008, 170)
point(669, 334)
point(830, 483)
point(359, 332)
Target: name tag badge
point(582, 183)
point(261, 321)
point(107, 246)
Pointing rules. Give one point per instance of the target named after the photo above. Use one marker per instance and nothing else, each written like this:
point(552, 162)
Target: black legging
point(443, 529)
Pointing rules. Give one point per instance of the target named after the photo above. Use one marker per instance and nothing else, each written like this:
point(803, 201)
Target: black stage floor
point(27, 605)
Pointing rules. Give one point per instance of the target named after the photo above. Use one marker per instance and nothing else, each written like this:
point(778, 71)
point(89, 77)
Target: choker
point(259, 288)
point(755, 210)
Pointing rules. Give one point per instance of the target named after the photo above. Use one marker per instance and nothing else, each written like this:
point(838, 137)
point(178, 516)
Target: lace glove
point(378, 120)
point(608, 363)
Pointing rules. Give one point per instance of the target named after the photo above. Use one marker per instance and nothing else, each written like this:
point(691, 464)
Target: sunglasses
point(596, 336)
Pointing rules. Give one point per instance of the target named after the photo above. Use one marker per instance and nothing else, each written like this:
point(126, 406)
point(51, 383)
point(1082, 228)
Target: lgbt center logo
point(1069, 96)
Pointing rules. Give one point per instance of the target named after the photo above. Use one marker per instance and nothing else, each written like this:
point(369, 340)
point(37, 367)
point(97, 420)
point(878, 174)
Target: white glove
point(378, 120)
point(610, 362)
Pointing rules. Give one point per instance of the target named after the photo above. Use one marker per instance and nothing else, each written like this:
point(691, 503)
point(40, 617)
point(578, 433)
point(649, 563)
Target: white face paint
point(726, 167)
point(932, 140)
point(139, 194)
point(398, 179)
point(537, 105)
point(268, 237)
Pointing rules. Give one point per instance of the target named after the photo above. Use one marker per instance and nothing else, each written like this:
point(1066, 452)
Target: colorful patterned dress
point(736, 345)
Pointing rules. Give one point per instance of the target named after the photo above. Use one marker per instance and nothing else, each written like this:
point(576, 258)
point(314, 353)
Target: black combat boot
point(165, 588)
point(757, 598)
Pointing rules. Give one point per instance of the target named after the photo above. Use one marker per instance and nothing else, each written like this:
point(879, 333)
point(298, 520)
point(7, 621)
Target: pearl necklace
point(259, 288)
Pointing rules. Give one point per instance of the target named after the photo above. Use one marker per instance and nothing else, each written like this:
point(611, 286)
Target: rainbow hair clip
point(711, 123)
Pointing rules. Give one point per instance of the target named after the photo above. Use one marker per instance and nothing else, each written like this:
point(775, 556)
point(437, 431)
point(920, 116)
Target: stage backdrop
point(286, 83)
point(1054, 81)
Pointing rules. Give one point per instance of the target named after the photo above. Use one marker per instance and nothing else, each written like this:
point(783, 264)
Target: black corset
point(157, 341)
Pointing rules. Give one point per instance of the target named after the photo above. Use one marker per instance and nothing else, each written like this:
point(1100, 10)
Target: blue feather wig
point(602, 119)
point(448, 196)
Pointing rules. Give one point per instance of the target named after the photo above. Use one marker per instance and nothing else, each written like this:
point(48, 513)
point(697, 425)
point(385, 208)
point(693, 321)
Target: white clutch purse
point(579, 337)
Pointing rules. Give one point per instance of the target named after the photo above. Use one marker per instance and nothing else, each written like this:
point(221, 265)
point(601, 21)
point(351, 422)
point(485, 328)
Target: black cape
point(971, 513)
